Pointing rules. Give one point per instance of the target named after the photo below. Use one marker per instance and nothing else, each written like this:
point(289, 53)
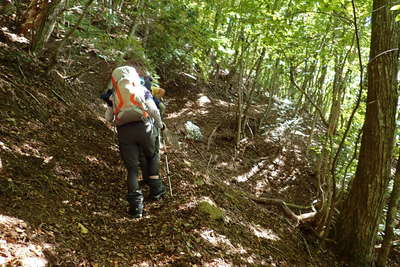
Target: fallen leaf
point(83, 229)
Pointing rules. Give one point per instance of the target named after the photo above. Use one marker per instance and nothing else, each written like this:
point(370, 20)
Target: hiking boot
point(157, 188)
point(135, 200)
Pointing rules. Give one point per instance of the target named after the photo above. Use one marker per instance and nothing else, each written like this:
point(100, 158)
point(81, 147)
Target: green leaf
point(83, 229)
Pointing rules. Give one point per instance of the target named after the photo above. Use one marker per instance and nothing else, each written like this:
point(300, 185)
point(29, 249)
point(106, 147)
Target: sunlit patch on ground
point(222, 164)
point(92, 159)
point(218, 262)
point(145, 264)
point(188, 205)
point(261, 186)
point(221, 241)
point(222, 103)
point(68, 175)
point(203, 100)
point(254, 170)
point(263, 233)
point(279, 162)
point(203, 112)
point(29, 149)
point(16, 249)
point(4, 147)
point(178, 114)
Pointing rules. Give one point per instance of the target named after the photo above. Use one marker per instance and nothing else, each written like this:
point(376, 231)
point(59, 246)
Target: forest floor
point(63, 187)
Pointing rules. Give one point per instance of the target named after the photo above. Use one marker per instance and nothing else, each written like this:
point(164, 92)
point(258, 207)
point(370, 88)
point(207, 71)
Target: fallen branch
point(307, 247)
point(29, 93)
point(285, 206)
point(59, 97)
point(20, 70)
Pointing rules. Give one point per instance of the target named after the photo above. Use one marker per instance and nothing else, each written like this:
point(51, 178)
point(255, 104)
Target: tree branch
point(308, 98)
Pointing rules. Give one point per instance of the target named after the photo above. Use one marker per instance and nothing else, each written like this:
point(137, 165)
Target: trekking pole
point(115, 134)
point(166, 164)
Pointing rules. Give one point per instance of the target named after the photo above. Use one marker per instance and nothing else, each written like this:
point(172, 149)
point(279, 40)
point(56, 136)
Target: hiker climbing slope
point(157, 92)
point(138, 122)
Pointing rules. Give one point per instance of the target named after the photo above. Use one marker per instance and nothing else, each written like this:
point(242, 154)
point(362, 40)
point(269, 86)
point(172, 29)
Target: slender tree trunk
point(326, 183)
point(48, 21)
point(249, 99)
point(273, 85)
point(357, 225)
point(135, 23)
point(307, 86)
point(322, 96)
point(237, 44)
point(216, 20)
point(240, 99)
point(320, 85)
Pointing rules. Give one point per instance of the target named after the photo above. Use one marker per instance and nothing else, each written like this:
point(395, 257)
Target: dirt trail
point(62, 185)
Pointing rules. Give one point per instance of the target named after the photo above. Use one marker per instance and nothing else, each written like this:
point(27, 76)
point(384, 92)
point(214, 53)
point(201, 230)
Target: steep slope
point(62, 184)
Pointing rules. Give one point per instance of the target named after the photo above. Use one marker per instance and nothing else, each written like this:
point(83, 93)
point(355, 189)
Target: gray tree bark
point(357, 225)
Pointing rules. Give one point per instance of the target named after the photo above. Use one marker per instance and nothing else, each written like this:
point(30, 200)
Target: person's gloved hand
point(109, 102)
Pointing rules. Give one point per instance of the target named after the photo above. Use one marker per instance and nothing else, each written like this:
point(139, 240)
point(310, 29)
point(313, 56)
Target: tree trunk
point(135, 23)
point(30, 19)
point(307, 86)
point(240, 99)
point(47, 24)
point(390, 219)
point(357, 225)
point(320, 92)
point(55, 53)
point(326, 182)
point(272, 86)
point(249, 98)
point(216, 20)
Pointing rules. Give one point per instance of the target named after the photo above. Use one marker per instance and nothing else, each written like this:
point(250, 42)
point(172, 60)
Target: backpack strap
point(118, 92)
point(139, 105)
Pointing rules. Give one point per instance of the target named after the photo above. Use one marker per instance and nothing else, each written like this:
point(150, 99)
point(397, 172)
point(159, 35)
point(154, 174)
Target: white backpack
point(128, 96)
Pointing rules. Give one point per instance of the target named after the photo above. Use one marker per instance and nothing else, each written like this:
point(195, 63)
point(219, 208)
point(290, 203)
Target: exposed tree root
point(302, 218)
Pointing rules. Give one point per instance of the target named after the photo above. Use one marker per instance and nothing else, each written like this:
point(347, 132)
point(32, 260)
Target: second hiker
point(138, 122)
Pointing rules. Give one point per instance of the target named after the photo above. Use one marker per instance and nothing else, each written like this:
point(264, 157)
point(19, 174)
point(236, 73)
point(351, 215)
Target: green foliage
point(177, 42)
point(95, 31)
point(396, 8)
point(121, 49)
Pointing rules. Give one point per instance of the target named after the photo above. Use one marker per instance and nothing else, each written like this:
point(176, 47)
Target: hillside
point(62, 185)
